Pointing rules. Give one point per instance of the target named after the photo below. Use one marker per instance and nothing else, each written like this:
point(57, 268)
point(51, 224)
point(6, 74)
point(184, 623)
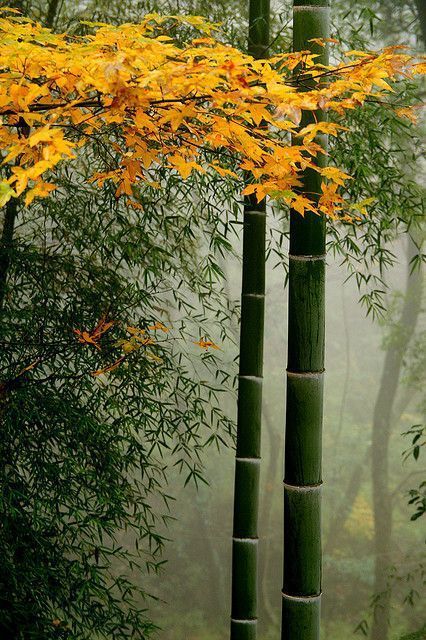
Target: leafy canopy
point(204, 106)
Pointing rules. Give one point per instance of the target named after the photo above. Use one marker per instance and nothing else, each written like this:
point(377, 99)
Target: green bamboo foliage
point(301, 593)
point(247, 464)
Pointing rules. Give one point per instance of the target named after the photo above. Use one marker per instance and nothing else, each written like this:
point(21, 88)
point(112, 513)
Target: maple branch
point(329, 72)
point(207, 149)
point(90, 103)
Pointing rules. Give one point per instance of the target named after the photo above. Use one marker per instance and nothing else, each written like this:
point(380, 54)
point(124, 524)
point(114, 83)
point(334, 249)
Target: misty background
point(191, 591)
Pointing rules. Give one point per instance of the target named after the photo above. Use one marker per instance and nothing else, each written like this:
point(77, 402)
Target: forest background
point(67, 259)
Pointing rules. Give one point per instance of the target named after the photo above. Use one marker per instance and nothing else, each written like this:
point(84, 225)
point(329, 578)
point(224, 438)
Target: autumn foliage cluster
point(203, 106)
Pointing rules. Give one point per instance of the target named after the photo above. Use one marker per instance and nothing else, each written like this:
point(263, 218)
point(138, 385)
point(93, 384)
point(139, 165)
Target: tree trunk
point(247, 464)
point(213, 596)
point(382, 420)
point(421, 13)
point(342, 512)
point(10, 213)
point(52, 11)
point(301, 594)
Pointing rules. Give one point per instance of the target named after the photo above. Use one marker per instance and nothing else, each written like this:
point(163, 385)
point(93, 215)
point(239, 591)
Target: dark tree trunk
point(52, 11)
point(382, 421)
point(421, 12)
point(342, 512)
point(10, 213)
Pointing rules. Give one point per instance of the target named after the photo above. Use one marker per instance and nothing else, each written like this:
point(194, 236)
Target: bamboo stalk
point(247, 463)
point(301, 594)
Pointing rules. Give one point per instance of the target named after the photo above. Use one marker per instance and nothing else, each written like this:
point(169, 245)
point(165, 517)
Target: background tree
point(404, 190)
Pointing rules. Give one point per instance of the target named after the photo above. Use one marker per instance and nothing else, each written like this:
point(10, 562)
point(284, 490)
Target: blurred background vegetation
point(116, 494)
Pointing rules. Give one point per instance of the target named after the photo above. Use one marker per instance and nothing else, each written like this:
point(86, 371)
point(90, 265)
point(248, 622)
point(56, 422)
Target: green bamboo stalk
point(247, 463)
point(301, 594)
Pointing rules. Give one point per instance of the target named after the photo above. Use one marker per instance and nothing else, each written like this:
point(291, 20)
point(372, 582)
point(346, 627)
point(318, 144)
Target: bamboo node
point(307, 258)
point(310, 8)
point(244, 621)
point(250, 540)
point(305, 374)
point(302, 487)
point(313, 598)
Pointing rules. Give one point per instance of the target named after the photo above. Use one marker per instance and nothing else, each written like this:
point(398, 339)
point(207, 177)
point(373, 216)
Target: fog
point(375, 366)
point(195, 582)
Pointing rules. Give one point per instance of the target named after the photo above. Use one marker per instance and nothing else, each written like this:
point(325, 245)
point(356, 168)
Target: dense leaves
point(152, 101)
point(83, 473)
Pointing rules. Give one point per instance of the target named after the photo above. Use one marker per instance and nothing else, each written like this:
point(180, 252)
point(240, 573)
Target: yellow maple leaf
point(302, 204)
point(41, 190)
point(135, 331)
point(223, 171)
point(42, 134)
point(335, 174)
point(311, 130)
point(407, 112)
point(184, 166)
point(260, 190)
point(6, 193)
point(419, 68)
point(330, 201)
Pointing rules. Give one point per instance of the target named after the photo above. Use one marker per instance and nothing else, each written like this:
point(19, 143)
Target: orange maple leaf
point(109, 367)
point(159, 326)
point(206, 344)
point(93, 337)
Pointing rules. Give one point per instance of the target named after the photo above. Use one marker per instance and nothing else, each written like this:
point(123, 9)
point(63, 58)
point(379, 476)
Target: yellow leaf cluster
point(184, 107)
point(360, 520)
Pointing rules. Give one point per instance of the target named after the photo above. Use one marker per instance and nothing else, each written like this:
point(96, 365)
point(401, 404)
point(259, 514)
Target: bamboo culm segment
point(301, 597)
point(259, 27)
point(301, 618)
point(304, 429)
point(302, 549)
point(244, 587)
point(243, 629)
point(246, 504)
point(247, 464)
point(306, 288)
